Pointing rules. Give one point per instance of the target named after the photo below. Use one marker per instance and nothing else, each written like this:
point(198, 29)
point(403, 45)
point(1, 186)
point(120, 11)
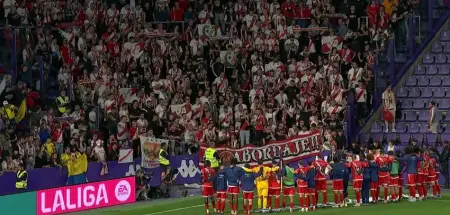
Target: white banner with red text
point(293, 149)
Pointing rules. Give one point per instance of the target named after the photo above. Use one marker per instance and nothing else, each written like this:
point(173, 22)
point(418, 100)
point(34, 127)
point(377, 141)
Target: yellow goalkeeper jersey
point(263, 180)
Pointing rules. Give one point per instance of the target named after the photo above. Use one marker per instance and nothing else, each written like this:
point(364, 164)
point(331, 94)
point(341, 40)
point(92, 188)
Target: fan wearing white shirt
point(258, 92)
point(354, 75)
point(196, 44)
point(281, 98)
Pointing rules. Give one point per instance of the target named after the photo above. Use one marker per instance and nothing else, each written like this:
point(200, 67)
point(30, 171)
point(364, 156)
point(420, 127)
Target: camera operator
point(168, 182)
point(142, 185)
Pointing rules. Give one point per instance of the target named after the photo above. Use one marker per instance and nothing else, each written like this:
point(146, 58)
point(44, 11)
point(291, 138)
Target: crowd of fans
point(196, 72)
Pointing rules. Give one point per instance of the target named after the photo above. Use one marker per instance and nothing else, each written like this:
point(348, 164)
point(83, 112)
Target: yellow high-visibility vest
point(209, 156)
point(8, 112)
point(61, 102)
point(21, 184)
point(163, 160)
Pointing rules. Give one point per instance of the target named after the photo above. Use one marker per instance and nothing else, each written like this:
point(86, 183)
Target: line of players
point(369, 175)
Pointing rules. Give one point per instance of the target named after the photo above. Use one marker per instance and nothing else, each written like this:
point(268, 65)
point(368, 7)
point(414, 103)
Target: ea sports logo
point(123, 190)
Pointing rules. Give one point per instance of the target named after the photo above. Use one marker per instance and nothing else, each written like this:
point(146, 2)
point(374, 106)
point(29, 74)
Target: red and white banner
point(128, 95)
point(330, 42)
point(293, 149)
point(126, 156)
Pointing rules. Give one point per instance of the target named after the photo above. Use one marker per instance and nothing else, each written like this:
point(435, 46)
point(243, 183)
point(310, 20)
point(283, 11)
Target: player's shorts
point(312, 191)
point(357, 184)
point(321, 185)
point(383, 181)
point(338, 185)
point(302, 190)
point(263, 191)
point(394, 181)
point(233, 190)
point(400, 181)
point(373, 185)
point(411, 180)
point(274, 191)
point(289, 191)
point(248, 194)
point(420, 178)
point(207, 192)
point(221, 195)
point(431, 177)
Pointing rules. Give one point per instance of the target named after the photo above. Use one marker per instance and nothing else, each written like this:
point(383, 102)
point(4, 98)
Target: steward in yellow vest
point(62, 101)
point(21, 179)
point(213, 157)
point(164, 161)
point(8, 111)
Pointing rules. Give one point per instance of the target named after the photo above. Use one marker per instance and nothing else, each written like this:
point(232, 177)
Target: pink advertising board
point(86, 196)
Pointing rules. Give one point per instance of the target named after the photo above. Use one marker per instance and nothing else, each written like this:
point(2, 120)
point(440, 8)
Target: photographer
point(168, 182)
point(142, 185)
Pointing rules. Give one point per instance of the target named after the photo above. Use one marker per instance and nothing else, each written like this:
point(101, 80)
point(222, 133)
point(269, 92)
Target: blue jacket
point(339, 171)
point(310, 178)
point(233, 175)
point(220, 181)
point(366, 172)
point(373, 171)
point(411, 163)
point(248, 179)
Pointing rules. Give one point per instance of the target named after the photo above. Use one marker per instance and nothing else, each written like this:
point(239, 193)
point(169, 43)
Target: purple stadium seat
point(419, 104)
point(378, 137)
point(431, 70)
point(445, 82)
point(391, 136)
point(435, 81)
point(423, 128)
point(402, 92)
point(420, 70)
point(406, 104)
point(418, 137)
point(411, 81)
point(446, 47)
point(426, 92)
point(404, 138)
point(445, 36)
point(443, 104)
point(413, 93)
point(431, 139)
point(423, 81)
point(440, 58)
point(443, 69)
point(439, 93)
point(376, 127)
point(410, 116)
point(400, 127)
point(447, 119)
point(428, 58)
point(437, 47)
point(413, 128)
point(364, 137)
point(445, 137)
point(423, 116)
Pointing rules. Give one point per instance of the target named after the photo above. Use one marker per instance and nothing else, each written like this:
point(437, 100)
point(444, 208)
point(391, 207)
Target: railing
point(392, 65)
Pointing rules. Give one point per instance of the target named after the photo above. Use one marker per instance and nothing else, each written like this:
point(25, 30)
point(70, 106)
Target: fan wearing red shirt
point(207, 189)
point(422, 173)
point(372, 12)
point(321, 183)
point(383, 162)
point(357, 175)
point(302, 14)
point(259, 128)
point(177, 13)
point(288, 9)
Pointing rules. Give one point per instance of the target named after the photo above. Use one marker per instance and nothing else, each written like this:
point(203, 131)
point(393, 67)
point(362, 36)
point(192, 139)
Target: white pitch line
point(196, 206)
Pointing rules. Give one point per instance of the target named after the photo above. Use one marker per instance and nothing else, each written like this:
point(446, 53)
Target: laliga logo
point(188, 171)
point(123, 190)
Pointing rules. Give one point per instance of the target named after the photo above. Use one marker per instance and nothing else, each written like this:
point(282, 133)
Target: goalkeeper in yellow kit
point(262, 185)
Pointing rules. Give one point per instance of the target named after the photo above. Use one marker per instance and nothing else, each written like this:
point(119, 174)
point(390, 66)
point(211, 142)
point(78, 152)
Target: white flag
point(126, 156)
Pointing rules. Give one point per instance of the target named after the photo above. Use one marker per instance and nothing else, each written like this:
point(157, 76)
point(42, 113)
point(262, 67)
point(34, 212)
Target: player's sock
point(316, 199)
point(206, 206)
point(213, 204)
point(425, 190)
point(325, 198)
point(433, 187)
point(277, 202)
point(292, 205)
point(249, 207)
point(265, 202)
point(259, 202)
point(438, 188)
point(245, 208)
point(341, 197)
point(412, 191)
point(400, 191)
point(307, 201)
point(231, 205)
point(386, 194)
point(358, 196)
point(269, 202)
point(378, 192)
point(284, 202)
point(236, 204)
point(336, 200)
point(218, 205)
point(420, 189)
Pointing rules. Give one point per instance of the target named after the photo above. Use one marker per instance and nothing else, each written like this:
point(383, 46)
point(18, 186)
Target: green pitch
point(194, 206)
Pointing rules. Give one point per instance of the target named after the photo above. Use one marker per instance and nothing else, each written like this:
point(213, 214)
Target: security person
point(212, 156)
point(8, 111)
point(62, 101)
point(21, 179)
point(163, 157)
